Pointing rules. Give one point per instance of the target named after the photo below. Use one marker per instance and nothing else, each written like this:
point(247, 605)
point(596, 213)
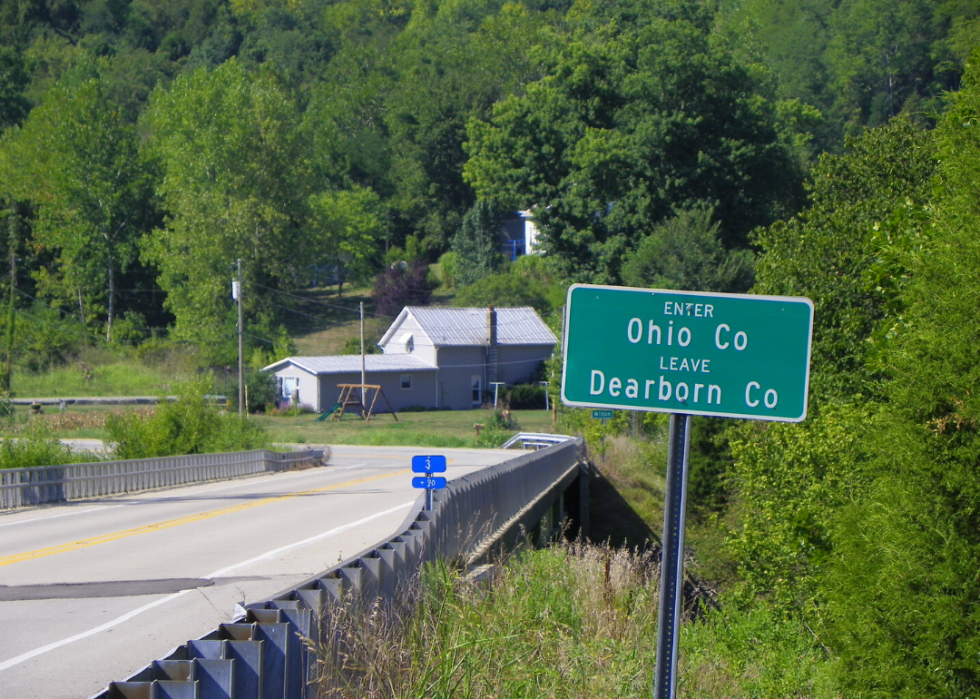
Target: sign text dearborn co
point(726, 355)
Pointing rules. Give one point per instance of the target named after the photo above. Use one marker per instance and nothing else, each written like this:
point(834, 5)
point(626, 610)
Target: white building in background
point(433, 358)
point(520, 235)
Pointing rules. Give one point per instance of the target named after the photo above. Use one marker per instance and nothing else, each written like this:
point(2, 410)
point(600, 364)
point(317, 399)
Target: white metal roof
point(464, 327)
point(351, 363)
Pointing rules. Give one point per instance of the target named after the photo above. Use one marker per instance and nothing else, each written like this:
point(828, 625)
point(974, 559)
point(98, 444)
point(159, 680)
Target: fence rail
point(266, 653)
point(20, 487)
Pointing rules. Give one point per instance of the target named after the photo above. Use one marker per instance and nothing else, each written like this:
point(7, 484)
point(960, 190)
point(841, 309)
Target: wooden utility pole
point(8, 359)
point(241, 342)
point(363, 403)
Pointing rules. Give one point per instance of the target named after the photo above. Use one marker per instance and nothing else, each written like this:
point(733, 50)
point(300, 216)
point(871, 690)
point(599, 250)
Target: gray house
point(433, 358)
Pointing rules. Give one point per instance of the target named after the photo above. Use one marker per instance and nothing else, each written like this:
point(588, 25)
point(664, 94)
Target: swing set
point(353, 398)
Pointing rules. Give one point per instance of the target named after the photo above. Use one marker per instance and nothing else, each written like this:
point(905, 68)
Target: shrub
point(189, 425)
point(130, 329)
point(352, 345)
point(262, 391)
point(477, 244)
point(504, 290)
point(38, 448)
point(396, 288)
point(527, 397)
point(449, 269)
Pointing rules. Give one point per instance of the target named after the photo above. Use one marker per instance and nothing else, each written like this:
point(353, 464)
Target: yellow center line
point(167, 524)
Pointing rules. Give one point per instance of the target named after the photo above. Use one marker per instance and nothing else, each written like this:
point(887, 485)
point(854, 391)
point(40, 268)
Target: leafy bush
point(130, 329)
point(38, 448)
point(792, 480)
point(352, 345)
point(449, 270)
point(496, 429)
point(504, 290)
point(43, 338)
point(262, 393)
point(477, 244)
point(527, 397)
point(396, 288)
point(189, 425)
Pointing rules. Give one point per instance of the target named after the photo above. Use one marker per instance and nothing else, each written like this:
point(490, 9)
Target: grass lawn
point(442, 428)
point(321, 322)
point(121, 378)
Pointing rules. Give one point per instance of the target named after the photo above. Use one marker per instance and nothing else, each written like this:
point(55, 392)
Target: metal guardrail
point(535, 440)
point(266, 653)
point(20, 487)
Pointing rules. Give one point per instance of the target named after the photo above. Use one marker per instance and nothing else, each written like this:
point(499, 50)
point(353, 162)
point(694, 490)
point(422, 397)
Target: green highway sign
point(602, 414)
point(700, 353)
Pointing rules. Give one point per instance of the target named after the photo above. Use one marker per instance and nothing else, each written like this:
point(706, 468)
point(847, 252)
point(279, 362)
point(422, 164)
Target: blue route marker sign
point(429, 482)
point(428, 464)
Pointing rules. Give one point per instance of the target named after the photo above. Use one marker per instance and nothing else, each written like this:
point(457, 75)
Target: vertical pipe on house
point(491, 345)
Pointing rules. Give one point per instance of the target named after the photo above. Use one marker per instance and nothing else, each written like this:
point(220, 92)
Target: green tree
point(236, 186)
point(453, 61)
point(881, 56)
point(837, 252)
point(903, 614)
point(78, 161)
point(477, 244)
point(504, 290)
point(686, 253)
point(346, 227)
point(635, 122)
point(13, 81)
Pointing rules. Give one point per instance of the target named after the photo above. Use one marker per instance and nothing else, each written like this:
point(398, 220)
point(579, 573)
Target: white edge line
point(85, 634)
point(304, 542)
point(23, 657)
point(64, 514)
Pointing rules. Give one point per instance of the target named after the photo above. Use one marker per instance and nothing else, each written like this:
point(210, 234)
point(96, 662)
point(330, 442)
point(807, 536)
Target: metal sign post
point(684, 353)
point(672, 557)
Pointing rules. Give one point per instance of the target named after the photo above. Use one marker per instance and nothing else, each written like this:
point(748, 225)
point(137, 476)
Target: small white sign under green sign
point(725, 355)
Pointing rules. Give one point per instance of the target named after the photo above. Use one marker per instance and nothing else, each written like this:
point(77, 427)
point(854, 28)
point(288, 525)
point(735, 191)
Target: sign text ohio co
point(726, 355)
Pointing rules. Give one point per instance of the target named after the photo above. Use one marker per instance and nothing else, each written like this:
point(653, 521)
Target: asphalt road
point(90, 592)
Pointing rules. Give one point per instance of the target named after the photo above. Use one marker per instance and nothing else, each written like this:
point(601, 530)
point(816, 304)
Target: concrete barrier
point(21, 487)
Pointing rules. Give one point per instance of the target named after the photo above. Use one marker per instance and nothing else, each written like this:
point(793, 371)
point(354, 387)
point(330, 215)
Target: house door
point(476, 388)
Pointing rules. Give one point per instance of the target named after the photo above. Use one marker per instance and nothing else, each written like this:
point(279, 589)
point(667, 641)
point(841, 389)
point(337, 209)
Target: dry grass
point(76, 422)
point(552, 623)
point(573, 620)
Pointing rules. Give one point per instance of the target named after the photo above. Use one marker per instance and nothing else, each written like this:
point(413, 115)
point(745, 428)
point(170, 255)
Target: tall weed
point(38, 448)
point(189, 425)
point(574, 620)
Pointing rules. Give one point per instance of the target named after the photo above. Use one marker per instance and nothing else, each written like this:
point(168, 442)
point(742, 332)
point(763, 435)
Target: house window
point(476, 386)
point(406, 382)
point(408, 342)
point(289, 384)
